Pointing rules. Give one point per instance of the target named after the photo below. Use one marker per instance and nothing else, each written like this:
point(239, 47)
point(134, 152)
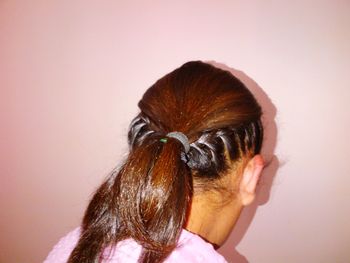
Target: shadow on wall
point(228, 250)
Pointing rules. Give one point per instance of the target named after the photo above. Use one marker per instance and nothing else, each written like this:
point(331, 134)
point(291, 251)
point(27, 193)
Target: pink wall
point(71, 73)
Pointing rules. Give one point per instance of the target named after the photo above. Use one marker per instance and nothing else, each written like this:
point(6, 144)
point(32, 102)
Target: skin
point(213, 214)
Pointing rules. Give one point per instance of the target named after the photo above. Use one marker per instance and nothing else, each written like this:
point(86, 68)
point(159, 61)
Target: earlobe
point(250, 179)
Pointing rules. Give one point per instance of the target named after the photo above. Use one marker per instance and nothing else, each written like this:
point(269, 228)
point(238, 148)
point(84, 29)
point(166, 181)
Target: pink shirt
point(190, 248)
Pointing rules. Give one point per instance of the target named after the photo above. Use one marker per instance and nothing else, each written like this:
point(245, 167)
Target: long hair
point(148, 197)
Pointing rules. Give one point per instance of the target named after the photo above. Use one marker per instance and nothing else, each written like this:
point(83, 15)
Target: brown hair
point(147, 198)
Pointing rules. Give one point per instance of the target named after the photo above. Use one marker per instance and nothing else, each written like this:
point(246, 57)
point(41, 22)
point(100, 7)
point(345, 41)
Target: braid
point(139, 129)
point(207, 154)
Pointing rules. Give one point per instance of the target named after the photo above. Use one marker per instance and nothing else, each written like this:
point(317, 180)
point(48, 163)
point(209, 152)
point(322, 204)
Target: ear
point(250, 178)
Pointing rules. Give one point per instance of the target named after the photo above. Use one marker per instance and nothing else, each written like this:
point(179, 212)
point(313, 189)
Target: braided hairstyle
point(148, 197)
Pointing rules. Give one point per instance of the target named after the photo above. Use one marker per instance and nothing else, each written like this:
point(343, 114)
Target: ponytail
point(147, 200)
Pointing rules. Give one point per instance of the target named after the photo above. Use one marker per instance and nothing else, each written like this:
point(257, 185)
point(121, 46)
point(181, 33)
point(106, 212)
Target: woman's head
point(158, 189)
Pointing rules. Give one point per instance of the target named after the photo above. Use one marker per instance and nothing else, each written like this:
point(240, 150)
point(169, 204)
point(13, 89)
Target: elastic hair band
point(180, 137)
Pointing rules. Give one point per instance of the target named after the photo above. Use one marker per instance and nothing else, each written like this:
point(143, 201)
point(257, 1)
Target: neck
point(211, 220)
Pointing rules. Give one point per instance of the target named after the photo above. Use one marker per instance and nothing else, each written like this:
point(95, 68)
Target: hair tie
point(180, 137)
